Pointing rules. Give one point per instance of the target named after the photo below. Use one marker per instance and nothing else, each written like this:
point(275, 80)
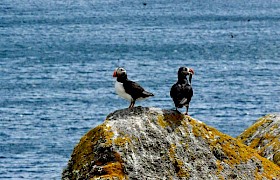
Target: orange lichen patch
point(122, 141)
point(172, 119)
point(107, 135)
point(235, 152)
point(88, 154)
point(264, 143)
point(172, 151)
point(276, 158)
point(161, 121)
point(181, 170)
point(276, 147)
point(108, 177)
point(202, 130)
point(257, 174)
point(275, 126)
point(83, 152)
point(255, 143)
point(274, 144)
point(268, 136)
point(114, 169)
point(270, 170)
point(252, 129)
point(219, 167)
point(178, 164)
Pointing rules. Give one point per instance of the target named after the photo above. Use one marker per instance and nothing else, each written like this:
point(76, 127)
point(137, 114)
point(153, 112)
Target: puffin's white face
point(119, 72)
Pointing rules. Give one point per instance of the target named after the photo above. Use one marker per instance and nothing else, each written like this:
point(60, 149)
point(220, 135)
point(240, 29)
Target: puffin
point(127, 89)
point(181, 92)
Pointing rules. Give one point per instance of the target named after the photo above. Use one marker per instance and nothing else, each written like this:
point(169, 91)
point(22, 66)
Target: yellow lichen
point(276, 158)
point(112, 170)
point(108, 136)
point(177, 163)
point(161, 121)
point(219, 167)
point(235, 151)
point(274, 145)
point(257, 174)
point(255, 143)
point(172, 151)
point(172, 120)
point(270, 170)
point(182, 170)
point(252, 129)
point(275, 126)
point(122, 141)
point(84, 154)
point(83, 151)
point(266, 143)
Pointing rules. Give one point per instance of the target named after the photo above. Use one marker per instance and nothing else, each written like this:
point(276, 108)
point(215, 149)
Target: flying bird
point(127, 89)
point(181, 92)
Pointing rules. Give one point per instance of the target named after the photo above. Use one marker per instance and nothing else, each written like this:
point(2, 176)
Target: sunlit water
point(57, 59)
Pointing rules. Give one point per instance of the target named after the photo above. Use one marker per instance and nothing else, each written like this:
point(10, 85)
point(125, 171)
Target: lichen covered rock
point(150, 143)
point(264, 136)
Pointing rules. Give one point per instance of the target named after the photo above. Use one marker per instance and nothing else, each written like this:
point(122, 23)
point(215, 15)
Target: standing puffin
point(181, 92)
point(127, 89)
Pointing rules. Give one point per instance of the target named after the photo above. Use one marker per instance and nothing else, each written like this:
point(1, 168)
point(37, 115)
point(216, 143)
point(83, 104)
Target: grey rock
point(264, 137)
point(151, 143)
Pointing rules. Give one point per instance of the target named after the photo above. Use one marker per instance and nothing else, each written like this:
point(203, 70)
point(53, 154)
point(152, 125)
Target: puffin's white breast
point(121, 92)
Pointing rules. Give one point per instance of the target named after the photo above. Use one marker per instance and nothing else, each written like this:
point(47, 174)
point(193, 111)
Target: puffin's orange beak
point(191, 71)
point(115, 74)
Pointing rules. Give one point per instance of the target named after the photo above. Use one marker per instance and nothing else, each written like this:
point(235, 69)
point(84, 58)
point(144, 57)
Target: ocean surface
point(57, 58)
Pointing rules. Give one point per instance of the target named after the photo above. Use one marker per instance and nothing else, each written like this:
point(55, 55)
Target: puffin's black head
point(119, 72)
point(183, 71)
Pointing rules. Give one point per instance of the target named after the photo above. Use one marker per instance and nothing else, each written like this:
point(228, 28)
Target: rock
point(150, 143)
point(264, 136)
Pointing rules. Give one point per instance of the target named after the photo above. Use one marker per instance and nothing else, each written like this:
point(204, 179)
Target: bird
point(181, 92)
point(127, 89)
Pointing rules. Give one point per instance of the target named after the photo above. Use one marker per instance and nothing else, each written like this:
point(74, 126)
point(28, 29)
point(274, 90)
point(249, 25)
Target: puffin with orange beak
point(181, 92)
point(127, 89)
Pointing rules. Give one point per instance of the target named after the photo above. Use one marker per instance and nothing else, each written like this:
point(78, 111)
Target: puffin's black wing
point(188, 93)
point(181, 94)
point(135, 90)
point(175, 94)
point(173, 91)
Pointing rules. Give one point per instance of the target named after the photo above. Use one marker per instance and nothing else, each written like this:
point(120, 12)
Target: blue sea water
point(57, 58)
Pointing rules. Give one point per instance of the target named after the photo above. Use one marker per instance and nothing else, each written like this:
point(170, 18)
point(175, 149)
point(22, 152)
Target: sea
point(57, 59)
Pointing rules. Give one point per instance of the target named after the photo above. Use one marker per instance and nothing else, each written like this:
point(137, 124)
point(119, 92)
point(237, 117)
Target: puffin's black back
point(181, 93)
point(134, 89)
point(130, 87)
